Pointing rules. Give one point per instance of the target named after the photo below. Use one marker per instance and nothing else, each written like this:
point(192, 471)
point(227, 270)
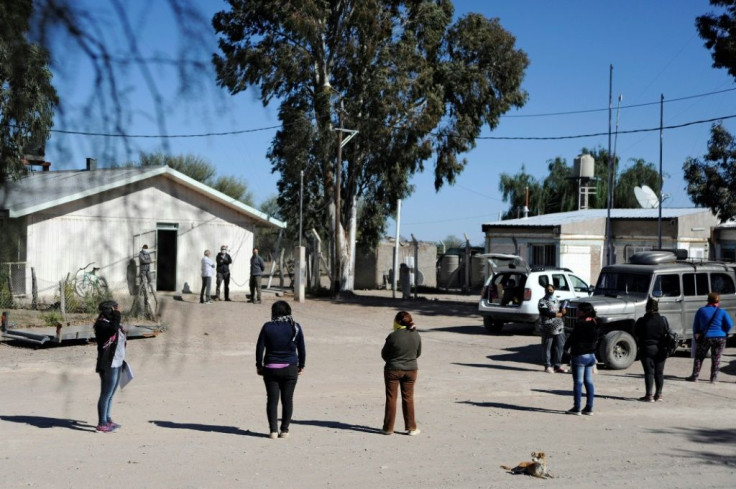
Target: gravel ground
point(194, 416)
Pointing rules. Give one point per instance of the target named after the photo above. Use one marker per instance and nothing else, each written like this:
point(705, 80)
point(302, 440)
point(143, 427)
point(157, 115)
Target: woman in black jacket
point(280, 357)
point(650, 331)
point(111, 342)
point(582, 343)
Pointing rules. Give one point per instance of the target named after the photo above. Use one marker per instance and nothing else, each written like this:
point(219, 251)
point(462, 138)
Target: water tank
point(449, 265)
point(584, 167)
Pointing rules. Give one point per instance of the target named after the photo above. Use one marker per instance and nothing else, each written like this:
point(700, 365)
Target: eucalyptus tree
point(711, 182)
point(27, 97)
point(418, 87)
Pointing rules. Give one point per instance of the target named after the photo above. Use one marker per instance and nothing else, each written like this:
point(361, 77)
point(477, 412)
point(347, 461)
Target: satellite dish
point(646, 197)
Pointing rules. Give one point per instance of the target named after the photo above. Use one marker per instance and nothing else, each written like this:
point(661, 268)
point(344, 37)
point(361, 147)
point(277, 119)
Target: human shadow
point(531, 354)
point(474, 330)
point(337, 425)
point(46, 422)
point(514, 407)
point(207, 428)
point(496, 367)
point(598, 395)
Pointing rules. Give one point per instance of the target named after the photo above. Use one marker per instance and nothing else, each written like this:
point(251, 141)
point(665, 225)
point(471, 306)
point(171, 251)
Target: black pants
point(280, 382)
point(653, 362)
point(223, 277)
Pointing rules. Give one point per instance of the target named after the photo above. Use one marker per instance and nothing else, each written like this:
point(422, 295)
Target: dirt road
point(194, 416)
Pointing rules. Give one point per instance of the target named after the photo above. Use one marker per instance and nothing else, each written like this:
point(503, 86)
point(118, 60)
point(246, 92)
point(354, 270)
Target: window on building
point(543, 255)
point(728, 254)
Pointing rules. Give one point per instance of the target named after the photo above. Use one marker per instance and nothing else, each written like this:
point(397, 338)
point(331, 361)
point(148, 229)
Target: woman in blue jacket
point(280, 356)
point(710, 327)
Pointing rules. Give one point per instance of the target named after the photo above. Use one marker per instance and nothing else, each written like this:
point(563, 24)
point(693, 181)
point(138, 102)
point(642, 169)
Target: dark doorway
point(166, 259)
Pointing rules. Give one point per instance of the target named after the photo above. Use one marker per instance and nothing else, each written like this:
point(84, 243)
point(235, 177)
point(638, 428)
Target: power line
point(597, 134)
point(164, 136)
point(632, 106)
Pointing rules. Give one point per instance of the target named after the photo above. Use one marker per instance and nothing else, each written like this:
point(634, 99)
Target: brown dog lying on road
point(537, 467)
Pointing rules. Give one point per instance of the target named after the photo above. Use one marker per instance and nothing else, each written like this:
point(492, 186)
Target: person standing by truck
point(553, 330)
point(650, 331)
point(710, 328)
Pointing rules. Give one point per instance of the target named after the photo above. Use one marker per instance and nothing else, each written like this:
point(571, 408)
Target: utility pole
point(335, 256)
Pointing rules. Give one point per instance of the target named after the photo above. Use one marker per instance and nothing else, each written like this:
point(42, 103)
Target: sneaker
point(692, 378)
point(113, 423)
point(273, 435)
point(208, 302)
point(587, 412)
point(227, 300)
point(106, 428)
point(414, 432)
point(574, 411)
point(647, 398)
point(561, 370)
point(549, 370)
point(384, 432)
point(658, 397)
point(284, 434)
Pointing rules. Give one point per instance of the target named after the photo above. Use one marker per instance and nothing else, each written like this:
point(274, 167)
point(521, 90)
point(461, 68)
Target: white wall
point(110, 229)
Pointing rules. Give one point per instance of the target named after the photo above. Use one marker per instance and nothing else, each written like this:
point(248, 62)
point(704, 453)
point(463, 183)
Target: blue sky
point(652, 45)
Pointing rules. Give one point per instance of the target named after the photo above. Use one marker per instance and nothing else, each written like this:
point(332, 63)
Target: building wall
point(109, 229)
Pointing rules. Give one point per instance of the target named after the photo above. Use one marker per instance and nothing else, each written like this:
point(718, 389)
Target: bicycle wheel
point(81, 286)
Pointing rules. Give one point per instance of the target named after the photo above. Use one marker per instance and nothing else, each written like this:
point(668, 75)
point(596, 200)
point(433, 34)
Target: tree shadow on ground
point(513, 407)
point(207, 428)
point(706, 436)
point(46, 422)
point(337, 425)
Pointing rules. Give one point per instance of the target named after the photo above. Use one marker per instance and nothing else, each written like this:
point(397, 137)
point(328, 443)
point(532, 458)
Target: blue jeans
point(582, 373)
point(109, 380)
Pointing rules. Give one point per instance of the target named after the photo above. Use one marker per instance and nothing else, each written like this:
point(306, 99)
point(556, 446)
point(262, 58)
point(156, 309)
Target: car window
point(695, 284)
point(560, 282)
point(578, 284)
point(543, 280)
point(721, 283)
point(667, 285)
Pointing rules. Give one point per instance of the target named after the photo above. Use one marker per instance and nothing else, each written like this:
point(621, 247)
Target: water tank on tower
point(584, 167)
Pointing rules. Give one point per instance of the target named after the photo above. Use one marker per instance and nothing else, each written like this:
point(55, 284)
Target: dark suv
point(681, 285)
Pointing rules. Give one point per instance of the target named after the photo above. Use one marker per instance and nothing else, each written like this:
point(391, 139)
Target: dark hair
point(107, 306)
point(714, 298)
point(587, 309)
point(652, 305)
point(404, 319)
point(280, 309)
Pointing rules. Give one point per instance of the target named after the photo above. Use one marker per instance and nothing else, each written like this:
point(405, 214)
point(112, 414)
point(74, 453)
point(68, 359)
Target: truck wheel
point(493, 326)
point(618, 350)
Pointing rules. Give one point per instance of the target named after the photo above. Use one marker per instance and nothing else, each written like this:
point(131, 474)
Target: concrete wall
point(373, 266)
point(110, 228)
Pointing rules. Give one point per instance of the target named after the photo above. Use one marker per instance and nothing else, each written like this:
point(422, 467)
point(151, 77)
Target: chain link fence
point(12, 283)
